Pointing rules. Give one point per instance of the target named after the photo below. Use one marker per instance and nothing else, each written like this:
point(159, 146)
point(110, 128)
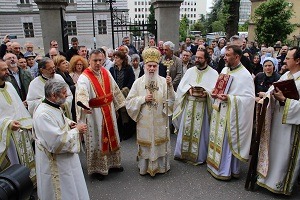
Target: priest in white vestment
point(149, 103)
point(36, 92)
point(192, 110)
point(97, 89)
point(16, 124)
point(231, 125)
point(57, 140)
point(279, 159)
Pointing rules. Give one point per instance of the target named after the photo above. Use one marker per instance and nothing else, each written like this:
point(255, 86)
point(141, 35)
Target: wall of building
point(13, 15)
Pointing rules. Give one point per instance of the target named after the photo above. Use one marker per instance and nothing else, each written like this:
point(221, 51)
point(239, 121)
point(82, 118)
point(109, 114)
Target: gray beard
point(61, 101)
point(14, 65)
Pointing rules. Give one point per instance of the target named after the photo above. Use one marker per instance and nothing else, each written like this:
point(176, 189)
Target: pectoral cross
point(152, 87)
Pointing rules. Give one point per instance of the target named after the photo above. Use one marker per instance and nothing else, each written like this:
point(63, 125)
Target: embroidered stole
point(103, 100)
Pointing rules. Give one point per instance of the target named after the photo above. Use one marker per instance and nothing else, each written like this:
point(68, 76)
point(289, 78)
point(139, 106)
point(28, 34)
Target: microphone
point(80, 104)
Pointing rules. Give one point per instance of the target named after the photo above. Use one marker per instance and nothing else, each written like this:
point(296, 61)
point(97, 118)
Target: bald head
point(16, 48)
point(53, 52)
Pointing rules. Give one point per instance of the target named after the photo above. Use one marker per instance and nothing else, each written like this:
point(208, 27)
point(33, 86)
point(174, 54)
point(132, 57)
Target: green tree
point(217, 26)
point(151, 20)
point(232, 10)
point(272, 20)
point(199, 25)
point(183, 28)
point(216, 18)
point(244, 27)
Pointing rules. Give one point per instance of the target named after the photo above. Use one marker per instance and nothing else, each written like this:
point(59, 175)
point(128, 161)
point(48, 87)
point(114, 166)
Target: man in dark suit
point(19, 78)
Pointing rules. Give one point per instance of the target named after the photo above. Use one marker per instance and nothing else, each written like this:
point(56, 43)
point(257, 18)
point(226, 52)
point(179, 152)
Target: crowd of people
point(55, 106)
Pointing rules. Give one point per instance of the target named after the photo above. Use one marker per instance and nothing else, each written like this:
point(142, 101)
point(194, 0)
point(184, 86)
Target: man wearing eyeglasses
point(279, 161)
point(36, 88)
point(97, 90)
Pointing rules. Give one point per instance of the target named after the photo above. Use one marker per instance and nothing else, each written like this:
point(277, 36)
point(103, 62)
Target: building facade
point(294, 36)
point(21, 18)
point(139, 9)
point(245, 11)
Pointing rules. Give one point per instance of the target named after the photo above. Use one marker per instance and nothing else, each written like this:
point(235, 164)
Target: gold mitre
point(151, 55)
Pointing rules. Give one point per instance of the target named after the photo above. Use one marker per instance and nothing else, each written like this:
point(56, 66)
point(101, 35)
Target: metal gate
point(138, 31)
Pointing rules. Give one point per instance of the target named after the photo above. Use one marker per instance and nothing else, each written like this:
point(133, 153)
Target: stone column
point(51, 22)
point(167, 16)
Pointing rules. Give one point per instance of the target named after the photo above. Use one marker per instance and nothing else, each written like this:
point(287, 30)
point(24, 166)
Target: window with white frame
point(28, 29)
point(24, 1)
point(71, 27)
point(102, 28)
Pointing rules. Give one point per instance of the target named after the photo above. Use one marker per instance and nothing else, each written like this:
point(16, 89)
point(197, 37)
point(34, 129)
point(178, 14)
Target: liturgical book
point(288, 88)
point(222, 87)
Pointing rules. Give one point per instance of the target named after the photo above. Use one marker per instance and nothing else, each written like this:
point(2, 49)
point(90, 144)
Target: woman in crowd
point(217, 49)
point(136, 66)
point(77, 65)
point(62, 68)
point(265, 79)
point(124, 76)
point(257, 67)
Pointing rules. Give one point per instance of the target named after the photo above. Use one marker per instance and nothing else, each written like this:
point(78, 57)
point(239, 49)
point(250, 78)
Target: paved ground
point(183, 181)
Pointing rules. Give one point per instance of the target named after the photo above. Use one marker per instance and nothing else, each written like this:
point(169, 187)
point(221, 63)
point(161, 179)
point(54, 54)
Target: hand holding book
point(278, 95)
point(285, 89)
point(221, 89)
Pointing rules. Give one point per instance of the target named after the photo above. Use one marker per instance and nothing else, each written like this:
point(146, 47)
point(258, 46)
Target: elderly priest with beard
point(57, 139)
point(36, 92)
point(149, 103)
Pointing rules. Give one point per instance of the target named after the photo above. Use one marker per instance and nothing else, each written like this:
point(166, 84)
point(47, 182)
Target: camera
point(12, 36)
point(15, 183)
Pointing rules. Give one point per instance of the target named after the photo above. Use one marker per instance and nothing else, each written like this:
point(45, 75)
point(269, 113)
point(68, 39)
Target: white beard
point(151, 78)
point(14, 65)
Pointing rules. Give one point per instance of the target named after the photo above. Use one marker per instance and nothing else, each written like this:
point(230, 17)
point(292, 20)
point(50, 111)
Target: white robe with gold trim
point(279, 155)
point(152, 138)
point(59, 172)
point(96, 161)
point(15, 146)
point(36, 94)
point(231, 127)
point(192, 115)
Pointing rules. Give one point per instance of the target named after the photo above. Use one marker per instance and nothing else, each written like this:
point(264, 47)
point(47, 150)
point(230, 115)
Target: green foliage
point(272, 20)
point(183, 28)
point(217, 26)
point(151, 20)
point(199, 26)
point(244, 27)
point(231, 9)
point(217, 15)
point(135, 30)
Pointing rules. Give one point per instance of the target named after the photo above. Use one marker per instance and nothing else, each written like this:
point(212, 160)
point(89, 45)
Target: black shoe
point(116, 169)
point(99, 177)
